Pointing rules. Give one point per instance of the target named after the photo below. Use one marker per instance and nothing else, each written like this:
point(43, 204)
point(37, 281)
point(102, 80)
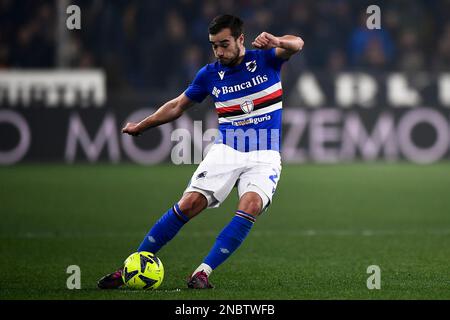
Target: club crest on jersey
point(221, 74)
point(247, 106)
point(251, 65)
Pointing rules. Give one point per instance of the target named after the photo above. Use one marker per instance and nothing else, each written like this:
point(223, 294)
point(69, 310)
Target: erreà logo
point(251, 65)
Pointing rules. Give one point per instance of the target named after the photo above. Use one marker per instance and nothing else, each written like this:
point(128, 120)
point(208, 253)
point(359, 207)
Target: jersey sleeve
point(272, 59)
point(197, 90)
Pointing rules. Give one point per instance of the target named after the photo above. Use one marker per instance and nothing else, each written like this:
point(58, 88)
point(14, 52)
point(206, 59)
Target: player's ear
point(240, 39)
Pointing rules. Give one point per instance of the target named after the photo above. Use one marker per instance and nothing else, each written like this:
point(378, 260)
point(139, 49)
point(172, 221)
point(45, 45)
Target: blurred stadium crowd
point(156, 44)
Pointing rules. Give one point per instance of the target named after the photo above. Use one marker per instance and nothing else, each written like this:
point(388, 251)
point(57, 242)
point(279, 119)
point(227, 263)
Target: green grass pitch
point(327, 224)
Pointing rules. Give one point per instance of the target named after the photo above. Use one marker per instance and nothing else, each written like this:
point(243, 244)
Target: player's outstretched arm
point(168, 112)
point(285, 46)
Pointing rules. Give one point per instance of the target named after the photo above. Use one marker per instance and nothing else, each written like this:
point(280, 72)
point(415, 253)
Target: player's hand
point(132, 129)
point(266, 41)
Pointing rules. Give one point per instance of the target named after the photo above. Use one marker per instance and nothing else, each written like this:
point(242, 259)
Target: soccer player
point(246, 88)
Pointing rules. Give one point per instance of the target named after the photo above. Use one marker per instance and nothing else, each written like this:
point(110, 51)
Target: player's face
point(226, 48)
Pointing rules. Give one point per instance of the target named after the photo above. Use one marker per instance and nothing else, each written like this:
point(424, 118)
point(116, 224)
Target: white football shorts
point(223, 168)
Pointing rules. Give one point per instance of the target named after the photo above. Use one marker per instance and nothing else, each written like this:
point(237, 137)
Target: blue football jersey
point(247, 98)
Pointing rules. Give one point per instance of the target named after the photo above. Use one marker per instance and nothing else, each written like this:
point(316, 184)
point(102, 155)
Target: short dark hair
point(224, 21)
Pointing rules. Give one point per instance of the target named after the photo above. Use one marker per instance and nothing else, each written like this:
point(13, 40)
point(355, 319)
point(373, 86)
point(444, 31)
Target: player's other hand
point(266, 41)
point(132, 129)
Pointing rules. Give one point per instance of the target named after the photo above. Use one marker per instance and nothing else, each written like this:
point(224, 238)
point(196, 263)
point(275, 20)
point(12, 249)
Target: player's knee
point(253, 208)
point(192, 203)
point(251, 203)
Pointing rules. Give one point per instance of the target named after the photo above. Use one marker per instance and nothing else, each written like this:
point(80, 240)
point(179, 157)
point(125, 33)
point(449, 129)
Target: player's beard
point(233, 60)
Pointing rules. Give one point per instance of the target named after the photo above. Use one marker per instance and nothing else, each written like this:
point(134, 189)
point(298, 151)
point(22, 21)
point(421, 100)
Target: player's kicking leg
point(231, 237)
point(190, 205)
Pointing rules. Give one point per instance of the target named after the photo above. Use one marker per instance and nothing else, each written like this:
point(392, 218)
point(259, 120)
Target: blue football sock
point(164, 230)
point(230, 238)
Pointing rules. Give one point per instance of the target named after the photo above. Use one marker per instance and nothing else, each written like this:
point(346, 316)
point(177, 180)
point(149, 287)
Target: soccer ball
point(143, 270)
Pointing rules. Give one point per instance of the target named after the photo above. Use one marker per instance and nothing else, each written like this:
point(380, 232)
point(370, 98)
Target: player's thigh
point(261, 179)
point(216, 176)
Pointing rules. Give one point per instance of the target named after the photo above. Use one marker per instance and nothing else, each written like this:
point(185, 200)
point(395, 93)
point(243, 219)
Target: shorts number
point(274, 178)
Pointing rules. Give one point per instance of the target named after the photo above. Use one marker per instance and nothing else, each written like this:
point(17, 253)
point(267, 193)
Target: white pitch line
point(255, 233)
